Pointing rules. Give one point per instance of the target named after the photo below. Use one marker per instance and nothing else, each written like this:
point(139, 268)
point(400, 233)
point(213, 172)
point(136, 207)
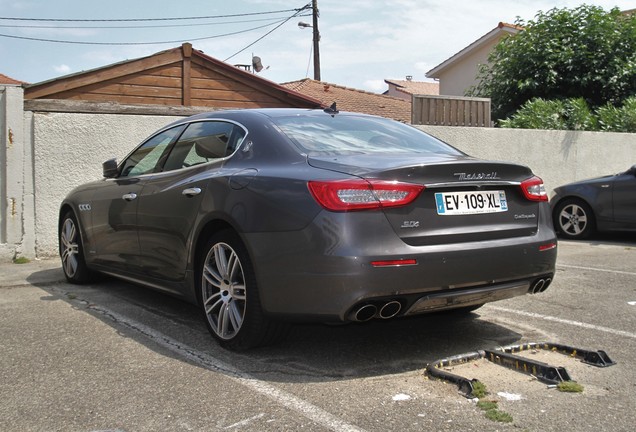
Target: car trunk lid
point(464, 199)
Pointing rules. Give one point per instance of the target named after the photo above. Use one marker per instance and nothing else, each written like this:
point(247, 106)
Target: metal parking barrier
point(504, 356)
point(595, 358)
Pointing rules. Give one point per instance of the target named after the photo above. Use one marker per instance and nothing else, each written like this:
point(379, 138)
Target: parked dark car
point(271, 215)
point(600, 204)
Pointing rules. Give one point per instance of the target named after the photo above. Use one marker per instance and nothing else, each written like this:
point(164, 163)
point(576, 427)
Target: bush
point(579, 116)
point(538, 114)
point(623, 119)
point(573, 114)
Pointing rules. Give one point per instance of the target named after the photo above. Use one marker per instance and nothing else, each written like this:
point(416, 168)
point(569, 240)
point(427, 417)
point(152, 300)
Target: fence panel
point(450, 111)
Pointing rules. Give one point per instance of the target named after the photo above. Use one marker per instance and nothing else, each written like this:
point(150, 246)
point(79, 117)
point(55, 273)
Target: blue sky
point(362, 43)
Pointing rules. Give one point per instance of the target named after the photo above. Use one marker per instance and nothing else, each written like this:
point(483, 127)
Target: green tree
point(584, 52)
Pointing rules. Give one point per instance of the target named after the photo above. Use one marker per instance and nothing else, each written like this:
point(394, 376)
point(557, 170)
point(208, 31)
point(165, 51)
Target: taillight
point(350, 195)
point(534, 189)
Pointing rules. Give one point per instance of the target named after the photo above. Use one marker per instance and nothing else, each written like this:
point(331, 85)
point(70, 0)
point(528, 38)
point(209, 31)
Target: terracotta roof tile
point(512, 26)
point(415, 87)
point(8, 80)
point(349, 99)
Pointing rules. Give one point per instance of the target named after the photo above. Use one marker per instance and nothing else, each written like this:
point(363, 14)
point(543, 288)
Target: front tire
point(229, 297)
point(72, 250)
point(574, 219)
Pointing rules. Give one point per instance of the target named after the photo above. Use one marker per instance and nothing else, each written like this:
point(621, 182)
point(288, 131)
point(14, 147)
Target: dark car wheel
point(574, 219)
point(72, 251)
point(229, 296)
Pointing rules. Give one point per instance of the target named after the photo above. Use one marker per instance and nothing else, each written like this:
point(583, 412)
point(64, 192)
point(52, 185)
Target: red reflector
point(548, 246)
point(394, 263)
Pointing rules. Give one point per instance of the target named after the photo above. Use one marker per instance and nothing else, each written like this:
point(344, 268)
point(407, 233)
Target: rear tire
point(72, 250)
point(229, 297)
point(574, 219)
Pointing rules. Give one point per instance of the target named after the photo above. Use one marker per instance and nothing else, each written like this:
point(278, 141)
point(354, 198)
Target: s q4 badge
point(410, 224)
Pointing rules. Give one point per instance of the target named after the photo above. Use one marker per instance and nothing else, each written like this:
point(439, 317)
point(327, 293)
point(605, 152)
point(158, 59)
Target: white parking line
point(282, 397)
point(597, 269)
point(245, 422)
point(565, 321)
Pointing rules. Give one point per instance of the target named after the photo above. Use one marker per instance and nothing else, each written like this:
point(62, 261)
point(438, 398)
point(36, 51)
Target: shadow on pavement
point(311, 352)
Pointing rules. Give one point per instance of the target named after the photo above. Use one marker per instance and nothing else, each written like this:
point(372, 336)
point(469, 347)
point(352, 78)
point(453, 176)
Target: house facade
point(458, 74)
point(181, 76)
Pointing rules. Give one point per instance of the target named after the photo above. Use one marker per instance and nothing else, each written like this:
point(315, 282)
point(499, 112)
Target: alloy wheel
point(69, 247)
point(573, 219)
point(223, 289)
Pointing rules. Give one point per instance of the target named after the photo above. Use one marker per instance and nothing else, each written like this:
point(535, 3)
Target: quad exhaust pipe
point(540, 285)
point(365, 312)
point(369, 311)
point(389, 309)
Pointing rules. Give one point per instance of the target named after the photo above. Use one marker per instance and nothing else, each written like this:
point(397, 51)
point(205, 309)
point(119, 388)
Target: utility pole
point(314, 6)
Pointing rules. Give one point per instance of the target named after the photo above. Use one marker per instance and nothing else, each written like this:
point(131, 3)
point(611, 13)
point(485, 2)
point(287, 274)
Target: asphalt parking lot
point(116, 357)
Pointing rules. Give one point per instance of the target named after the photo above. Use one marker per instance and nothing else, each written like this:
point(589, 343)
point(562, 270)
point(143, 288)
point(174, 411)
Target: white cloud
point(62, 69)
point(378, 86)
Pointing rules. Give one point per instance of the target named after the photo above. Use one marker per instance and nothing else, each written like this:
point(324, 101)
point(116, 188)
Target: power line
point(142, 26)
point(153, 43)
point(298, 11)
point(153, 19)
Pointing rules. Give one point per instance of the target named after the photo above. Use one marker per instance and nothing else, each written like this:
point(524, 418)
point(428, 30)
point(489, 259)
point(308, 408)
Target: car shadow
point(310, 353)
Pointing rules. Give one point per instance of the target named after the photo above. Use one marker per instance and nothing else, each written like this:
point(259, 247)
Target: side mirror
point(110, 168)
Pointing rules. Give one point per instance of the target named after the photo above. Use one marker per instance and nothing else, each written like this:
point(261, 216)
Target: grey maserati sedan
point(263, 217)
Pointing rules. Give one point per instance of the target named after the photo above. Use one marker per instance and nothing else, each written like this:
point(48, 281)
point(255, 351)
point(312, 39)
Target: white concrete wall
point(64, 150)
point(16, 175)
point(69, 151)
point(557, 157)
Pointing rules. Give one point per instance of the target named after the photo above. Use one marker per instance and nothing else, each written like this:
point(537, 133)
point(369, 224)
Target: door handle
point(129, 196)
point(190, 192)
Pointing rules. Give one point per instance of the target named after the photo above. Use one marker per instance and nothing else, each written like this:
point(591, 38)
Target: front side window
point(146, 158)
point(204, 142)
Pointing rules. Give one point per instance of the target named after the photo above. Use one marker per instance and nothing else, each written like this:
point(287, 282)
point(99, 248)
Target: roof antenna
point(332, 110)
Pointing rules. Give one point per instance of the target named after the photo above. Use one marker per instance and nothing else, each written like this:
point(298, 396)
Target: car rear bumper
point(325, 271)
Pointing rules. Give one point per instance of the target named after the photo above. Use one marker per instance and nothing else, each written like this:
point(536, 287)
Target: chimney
point(409, 77)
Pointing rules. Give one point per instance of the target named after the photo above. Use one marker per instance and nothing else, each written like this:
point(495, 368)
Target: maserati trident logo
point(477, 176)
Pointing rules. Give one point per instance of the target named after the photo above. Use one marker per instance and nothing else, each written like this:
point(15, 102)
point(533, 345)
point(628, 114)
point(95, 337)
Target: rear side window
point(362, 135)
point(204, 142)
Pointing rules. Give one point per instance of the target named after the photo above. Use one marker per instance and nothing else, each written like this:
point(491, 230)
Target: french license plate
point(474, 202)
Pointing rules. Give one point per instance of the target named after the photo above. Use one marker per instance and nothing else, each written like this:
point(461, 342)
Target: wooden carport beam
point(187, 74)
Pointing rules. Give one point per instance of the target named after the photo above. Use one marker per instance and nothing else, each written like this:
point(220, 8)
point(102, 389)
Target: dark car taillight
point(534, 189)
point(350, 195)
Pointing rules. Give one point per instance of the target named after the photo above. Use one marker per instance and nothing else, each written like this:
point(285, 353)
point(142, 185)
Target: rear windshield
point(346, 134)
